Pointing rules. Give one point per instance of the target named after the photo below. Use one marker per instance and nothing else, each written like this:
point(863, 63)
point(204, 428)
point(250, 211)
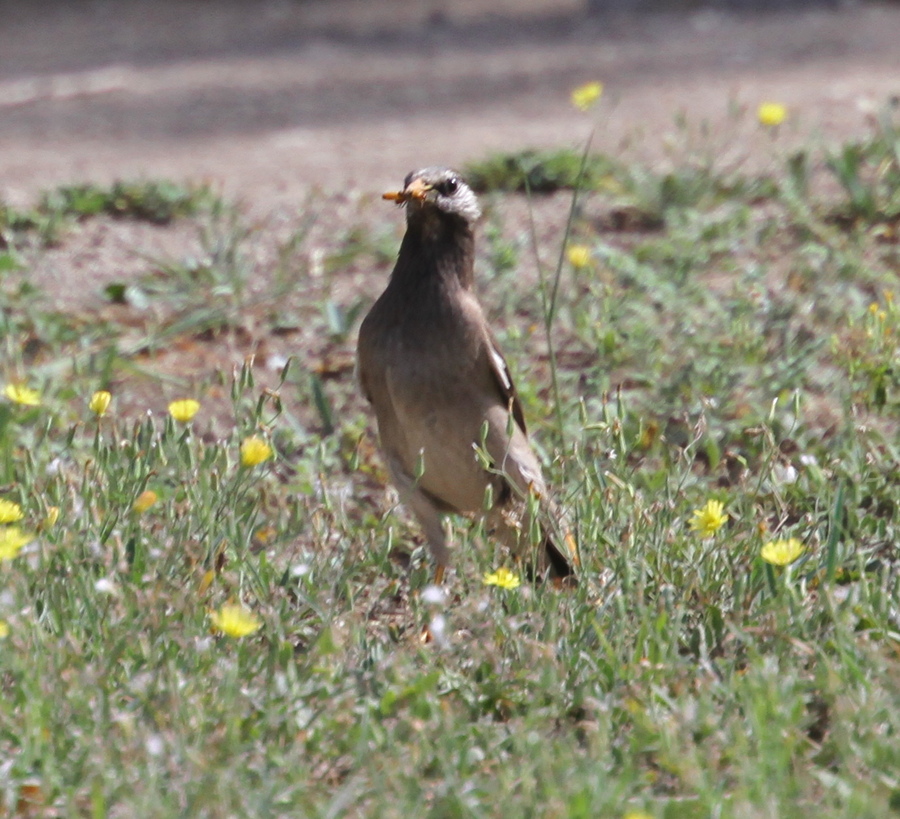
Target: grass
point(157, 202)
point(541, 171)
point(744, 350)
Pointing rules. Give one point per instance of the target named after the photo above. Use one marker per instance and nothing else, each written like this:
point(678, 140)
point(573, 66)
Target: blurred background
point(267, 97)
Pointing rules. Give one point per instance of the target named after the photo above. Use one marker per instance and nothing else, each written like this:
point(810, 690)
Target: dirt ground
point(269, 100)
point(269, 97)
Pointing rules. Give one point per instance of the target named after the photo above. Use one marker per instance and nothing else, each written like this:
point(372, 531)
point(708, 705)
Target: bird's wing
point(369, 363)
point(504, 381)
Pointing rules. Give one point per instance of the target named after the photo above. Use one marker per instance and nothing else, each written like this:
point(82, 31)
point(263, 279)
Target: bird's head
point(437, 193)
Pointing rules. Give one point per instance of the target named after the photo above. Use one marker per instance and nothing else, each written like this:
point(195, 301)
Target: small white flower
point(434, 596)
point(317, 262)
point(438, 630)
point(105, 586)
point(155, 745)
point(784, 473)
point(276, 362)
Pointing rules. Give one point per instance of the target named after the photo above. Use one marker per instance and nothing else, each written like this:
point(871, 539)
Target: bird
point(450, 423)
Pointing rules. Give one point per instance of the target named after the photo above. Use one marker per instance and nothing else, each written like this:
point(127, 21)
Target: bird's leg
point(430, 518)
point(432, 524)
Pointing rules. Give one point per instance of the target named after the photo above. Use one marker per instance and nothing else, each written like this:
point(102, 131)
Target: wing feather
point(504, 381)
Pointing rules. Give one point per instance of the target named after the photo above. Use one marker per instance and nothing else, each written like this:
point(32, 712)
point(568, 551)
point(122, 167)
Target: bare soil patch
point(291, 107)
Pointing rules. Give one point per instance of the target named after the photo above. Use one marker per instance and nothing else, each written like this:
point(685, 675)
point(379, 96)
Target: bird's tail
point(554, 554)
point(562, 562)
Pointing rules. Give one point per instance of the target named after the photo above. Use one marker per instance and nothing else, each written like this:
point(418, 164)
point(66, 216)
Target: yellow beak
point(417, 189)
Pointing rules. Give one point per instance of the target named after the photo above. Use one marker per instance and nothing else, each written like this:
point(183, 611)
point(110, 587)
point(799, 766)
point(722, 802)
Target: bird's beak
point(417, 189)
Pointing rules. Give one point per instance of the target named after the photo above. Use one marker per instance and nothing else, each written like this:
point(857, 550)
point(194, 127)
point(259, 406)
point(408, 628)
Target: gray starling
point(449, 420)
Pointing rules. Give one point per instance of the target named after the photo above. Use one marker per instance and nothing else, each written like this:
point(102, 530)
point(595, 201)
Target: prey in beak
point(417, 189)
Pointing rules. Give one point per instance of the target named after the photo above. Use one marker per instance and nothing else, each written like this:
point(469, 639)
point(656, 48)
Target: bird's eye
point(449, 187)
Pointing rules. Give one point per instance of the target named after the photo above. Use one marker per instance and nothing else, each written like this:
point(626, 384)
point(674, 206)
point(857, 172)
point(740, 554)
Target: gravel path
point(266, 99)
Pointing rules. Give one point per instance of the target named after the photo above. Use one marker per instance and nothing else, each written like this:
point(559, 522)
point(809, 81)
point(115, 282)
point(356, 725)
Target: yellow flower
point(586, 95)
point(20, 394)
point(99, 402)
point(4, 629)
point(207, 580)
point(9, 512)
point(579, 256)
point(52, 516)
point(184, 409)
point(771, 114)
point(637, 814)
point(707, 520)
point(12, 539)
point(264, 535)
point(782, 552)
point(234, 620)
point(144, 501)
point(254, 450)
point(877, 312)
point(503, 578)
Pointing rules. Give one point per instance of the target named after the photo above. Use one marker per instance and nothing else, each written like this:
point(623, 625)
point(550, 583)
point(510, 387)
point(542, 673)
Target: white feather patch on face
point(461, 200)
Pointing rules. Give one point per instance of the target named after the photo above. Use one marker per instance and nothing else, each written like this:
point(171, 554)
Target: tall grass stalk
point(549, 299)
